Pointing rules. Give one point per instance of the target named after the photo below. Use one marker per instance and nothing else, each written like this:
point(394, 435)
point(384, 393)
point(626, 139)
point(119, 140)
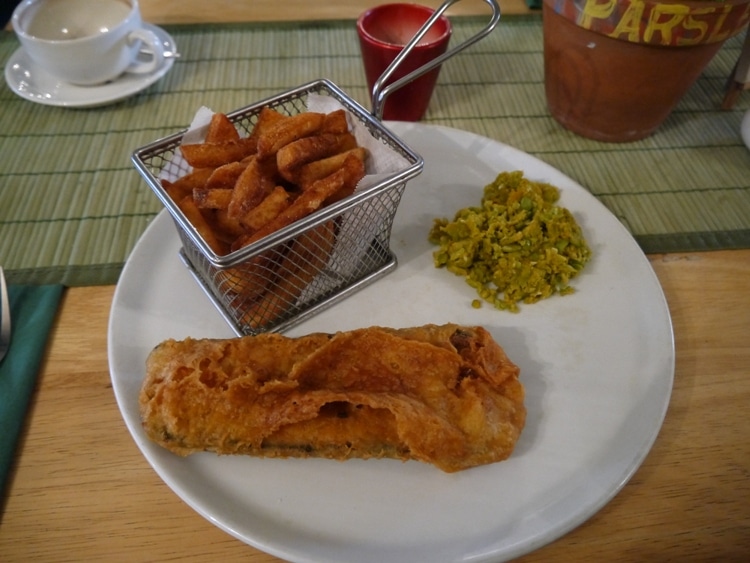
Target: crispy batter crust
point(446, 395)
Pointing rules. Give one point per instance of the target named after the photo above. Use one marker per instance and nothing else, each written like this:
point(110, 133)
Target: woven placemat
point(72, 206)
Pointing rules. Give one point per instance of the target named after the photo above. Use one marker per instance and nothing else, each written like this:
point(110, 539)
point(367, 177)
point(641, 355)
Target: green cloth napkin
point(32, 310)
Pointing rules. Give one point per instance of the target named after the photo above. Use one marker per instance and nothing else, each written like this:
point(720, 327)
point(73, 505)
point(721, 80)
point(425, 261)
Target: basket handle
point(380, 93)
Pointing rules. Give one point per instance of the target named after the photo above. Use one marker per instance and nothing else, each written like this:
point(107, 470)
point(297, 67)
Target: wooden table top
point(81, 490)
point(221, 11)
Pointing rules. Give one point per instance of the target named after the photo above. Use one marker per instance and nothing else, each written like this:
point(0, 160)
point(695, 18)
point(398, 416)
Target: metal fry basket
point(297, 271)
point(286, 277)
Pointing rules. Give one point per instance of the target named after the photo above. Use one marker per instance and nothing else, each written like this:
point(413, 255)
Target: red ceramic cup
point(383, 32)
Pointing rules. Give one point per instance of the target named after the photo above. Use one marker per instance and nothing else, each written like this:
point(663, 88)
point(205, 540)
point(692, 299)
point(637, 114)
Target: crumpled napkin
point(33, 309)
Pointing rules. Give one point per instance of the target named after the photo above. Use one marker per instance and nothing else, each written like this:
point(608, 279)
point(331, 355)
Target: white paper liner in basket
point(381, 163)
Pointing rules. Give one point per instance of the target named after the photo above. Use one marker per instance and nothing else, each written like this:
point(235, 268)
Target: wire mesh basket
point(299, 270)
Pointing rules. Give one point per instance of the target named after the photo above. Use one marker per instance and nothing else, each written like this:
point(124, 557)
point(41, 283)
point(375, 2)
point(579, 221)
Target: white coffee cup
point(86, 42)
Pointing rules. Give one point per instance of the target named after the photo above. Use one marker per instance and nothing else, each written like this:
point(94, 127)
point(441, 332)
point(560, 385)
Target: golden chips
point(242, 189)
point(247, 188)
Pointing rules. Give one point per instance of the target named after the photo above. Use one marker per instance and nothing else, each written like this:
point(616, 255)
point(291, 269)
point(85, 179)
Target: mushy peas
point(517, 246)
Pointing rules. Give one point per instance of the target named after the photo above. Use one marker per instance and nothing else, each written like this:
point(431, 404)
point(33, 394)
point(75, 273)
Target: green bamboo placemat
point(72, 206)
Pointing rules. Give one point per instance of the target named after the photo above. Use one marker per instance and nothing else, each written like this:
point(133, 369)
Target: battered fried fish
point(446, 395)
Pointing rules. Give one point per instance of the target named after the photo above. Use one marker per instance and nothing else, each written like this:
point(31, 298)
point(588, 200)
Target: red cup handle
point(380, 93)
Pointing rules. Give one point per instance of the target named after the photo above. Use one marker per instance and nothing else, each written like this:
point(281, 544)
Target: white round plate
point(597, 366)
point(32, 83)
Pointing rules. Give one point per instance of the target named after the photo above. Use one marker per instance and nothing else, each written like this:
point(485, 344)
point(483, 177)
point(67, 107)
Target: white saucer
point(30, 82)
point(745, 128)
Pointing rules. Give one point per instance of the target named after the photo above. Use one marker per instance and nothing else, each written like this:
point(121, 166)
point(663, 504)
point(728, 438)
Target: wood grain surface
point(225, 11)
point(82, 491)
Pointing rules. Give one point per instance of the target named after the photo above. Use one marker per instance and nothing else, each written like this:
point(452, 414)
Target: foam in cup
point(74, 19)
